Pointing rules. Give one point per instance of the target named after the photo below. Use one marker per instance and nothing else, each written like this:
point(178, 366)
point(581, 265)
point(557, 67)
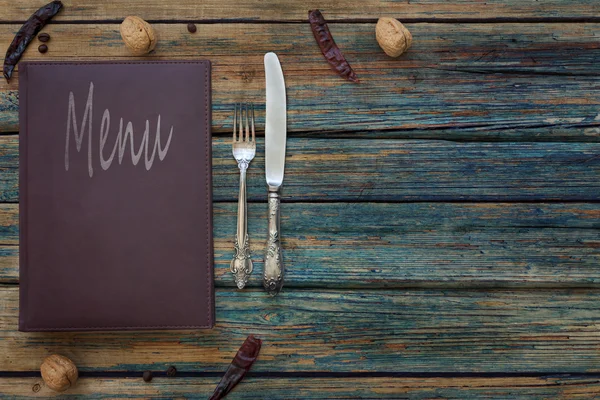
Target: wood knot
point(36, 388)
point(248, 76)
point(12, 97)
point(415, 78)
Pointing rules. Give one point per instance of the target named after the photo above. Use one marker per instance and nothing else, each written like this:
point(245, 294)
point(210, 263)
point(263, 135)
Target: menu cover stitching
point(22, 193)
point(24, 86)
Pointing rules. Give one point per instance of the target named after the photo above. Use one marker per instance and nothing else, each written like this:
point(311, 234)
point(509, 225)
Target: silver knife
point(275, 137)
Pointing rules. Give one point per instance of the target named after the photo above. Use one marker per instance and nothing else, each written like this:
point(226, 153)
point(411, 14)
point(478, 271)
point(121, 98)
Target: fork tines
point(243, 112)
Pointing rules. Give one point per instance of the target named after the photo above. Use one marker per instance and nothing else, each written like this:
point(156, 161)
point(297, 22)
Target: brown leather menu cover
point(115, 196)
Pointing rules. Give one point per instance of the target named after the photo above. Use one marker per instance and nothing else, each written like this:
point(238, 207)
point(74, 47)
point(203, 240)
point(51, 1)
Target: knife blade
point(275, 124)
point(275, 142)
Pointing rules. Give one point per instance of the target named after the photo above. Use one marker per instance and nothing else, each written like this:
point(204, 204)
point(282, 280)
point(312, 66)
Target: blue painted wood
point(293, 11)
point(362, 170)
point(417, 331)
point(274, 387)
point(526, 81)
point(496, 80)
point(375, 245)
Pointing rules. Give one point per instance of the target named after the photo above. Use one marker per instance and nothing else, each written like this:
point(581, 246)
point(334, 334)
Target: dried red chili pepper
point(332, 53)
point(241, 364)
point(27, 33)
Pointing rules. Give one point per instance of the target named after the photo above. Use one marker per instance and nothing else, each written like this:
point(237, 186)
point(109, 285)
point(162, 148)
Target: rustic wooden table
point(441, 219)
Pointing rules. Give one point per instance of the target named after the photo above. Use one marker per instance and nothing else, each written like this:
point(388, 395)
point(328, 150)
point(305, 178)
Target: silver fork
point(244, 149)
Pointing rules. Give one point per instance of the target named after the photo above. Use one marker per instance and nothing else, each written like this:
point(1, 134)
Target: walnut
point(59, 372)
point(138, 35)
point(393, 37)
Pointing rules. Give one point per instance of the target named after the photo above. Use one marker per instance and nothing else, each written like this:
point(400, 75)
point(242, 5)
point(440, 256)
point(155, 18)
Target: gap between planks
point(454, 134)
point(451, 21)
point(557, 387)
point(320, 374)
point(291, 10)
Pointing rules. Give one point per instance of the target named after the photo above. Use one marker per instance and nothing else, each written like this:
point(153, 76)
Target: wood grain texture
point(373, 245)
point(412, 285)
point(494, 80)
point(450, 388)
point(417, 331)
point(394, 170)
point(290, 10)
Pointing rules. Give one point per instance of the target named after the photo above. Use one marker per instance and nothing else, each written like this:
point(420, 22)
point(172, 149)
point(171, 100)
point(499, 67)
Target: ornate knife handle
point(273, 271)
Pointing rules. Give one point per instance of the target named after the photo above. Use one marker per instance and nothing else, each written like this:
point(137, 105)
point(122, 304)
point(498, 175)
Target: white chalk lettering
point(122, 139)
point(71, 118)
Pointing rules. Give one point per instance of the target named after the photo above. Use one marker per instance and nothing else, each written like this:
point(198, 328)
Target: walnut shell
point(138, 35)
point(59, 373)
point(392, 36)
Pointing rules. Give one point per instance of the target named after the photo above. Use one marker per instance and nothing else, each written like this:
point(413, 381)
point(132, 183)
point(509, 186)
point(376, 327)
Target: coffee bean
point(147, 376)
point(43, 37)
point(43, 48)
point(191, 28)
point(171, 371)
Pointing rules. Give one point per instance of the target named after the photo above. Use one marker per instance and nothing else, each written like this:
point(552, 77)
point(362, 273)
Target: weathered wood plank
point(487, 77)
point(393, 170)
point(377, 245)
point(448, 388)
point(416, 331)
point(290, 10)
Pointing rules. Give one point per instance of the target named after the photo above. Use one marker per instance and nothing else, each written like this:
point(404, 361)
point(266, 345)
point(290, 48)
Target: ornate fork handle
point(273, 272)
point(241, 265)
